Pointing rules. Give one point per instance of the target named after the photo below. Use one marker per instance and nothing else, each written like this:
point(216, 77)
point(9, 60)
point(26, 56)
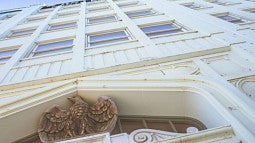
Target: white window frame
point(179, 27)
point(67, 14)
point(197, 6)
point(128, 4)
point(45, 43)
point(114, 15)
point(128, 35)
point(153, 13)
point(55, 24)
point(35, 19)
point(12, 36)
point(237, 18)
point(98, 9)
point(250, 10)
point(7, 57)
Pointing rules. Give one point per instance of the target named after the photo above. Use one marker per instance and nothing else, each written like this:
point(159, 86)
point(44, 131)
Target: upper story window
point(230, 18)
point(140, 13)
point(35, 19)
point(62, 26)
point(251, 10)
point(98, 9)
point(102, 19)
point(193, 5)
point(161, 29)
point(52, 48)
point(108, 38)
point(69, 14)
point(6, 55)
point(128, 4)
point(222, 2)
point(21, 32)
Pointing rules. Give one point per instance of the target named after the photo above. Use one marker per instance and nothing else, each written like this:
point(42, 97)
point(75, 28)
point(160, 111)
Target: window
point(193, 5)
point(67, 14)
point(140, 13)
point(251, 10)
point(163, 29)
point(98, 9)
point(21, 33)
point(6, 55)
point(102, 19)
point(52, 48)
point(107, 38)
point(62, 26)
point(230, 18)
point(221, 2)
point(127, 124)
point(127, 4)
point(36, 19)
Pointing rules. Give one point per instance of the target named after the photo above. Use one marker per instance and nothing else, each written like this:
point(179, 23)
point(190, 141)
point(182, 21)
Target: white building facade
point(188, 62)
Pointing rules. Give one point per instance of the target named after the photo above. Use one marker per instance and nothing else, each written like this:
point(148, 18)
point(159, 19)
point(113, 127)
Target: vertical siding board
point(43, 70)
point(65, 67)
point(132, 55)
point(98, 61)
point(88, 63)
point(121, 57)
point(54, 68)
point(30, 74)
point(108, 59)
point(9, 76)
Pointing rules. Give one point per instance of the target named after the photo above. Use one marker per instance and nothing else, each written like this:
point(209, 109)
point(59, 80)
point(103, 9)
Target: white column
point(79, 42)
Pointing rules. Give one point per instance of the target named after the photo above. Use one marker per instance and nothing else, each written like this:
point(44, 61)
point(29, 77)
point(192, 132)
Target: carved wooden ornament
point(81, 119)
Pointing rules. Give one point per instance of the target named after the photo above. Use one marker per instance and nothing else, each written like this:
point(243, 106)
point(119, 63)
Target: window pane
point(226, 17)
point(107, 36)
point(19, 33)
point(139, 13)
point(163, 33)
point(60, 26)
point(53, 51)
point(54, 45)
point(7, 53)
point(158, 28)
point(109, 41)
point(95, 20)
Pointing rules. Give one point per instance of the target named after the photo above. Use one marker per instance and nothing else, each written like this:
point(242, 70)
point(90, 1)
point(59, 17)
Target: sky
point(9, 4)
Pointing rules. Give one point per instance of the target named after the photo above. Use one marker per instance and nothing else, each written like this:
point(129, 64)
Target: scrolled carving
point(150, 135)
point(81, 119)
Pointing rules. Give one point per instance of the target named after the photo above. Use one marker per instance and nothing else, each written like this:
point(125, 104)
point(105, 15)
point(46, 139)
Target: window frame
point(98, 9)
point(235, 18)
point(7, 57)
point(153, 12)
point(128, 35)
point(35, 19)
point(178, 27)
point(57, 24)
point(104, 16)
point(22, 30)
point(128, 4)
point(67, 14)
point(33, 52)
